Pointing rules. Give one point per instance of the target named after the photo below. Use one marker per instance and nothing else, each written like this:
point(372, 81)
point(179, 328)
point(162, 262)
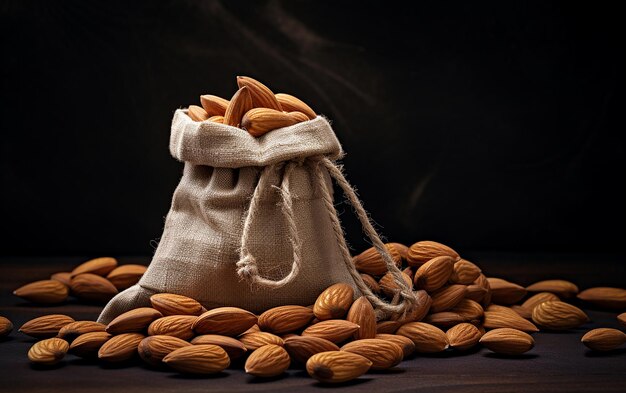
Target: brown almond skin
point(99, 266)
point(48, 352)
point(390, 287)
point(334, 330)
point(87, 345)
point(463, 336)
point(197, 113)
point(173, 325)
point(433, 274)
point(74, 329)
point(464, 272)
point(6, 327)
point(603, 339)
point(213, 105)
point(126, 276)
point(62, 277)
point(334, 302)
point(255, 340)
point(407, 345)
point(423, 251)
point(43, 292)
point(136, 320)
point(505, 292)
point(504, 317)
point(285, 319)
point(605, 297)
point(562, 288)
point(198, 359)
point(383, 354)
point(362, 313)
point(92, 287)
point(622, 319)
point(387, 327)
point(259, 121)
point(290, 103)
point(447, 297)
point(121, 347)
point(233, 347)
point(238, 106)
point(262, 96)
point(301, 348)
point(173, 304)
point(226, 321)
point(371, 282)
point(427, 338)
point(444, 319)
point(507, 341)
point(153, 349)
point(419, 311)
point(372, 262)
point(469, 310)
point(537, 299)
point(337, 366)
point(557, 315)
point(46, 326)
point(268, 361)
point(483, 282)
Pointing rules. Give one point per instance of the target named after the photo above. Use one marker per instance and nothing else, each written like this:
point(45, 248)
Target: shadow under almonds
point(253, 379)
point(605, 354)
point(354, 382)
point(219, 375)
point(511, 357)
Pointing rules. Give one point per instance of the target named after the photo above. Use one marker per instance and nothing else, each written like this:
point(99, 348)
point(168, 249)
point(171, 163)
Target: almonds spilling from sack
point(96, 280)
point(336, 339)
point(254, 108)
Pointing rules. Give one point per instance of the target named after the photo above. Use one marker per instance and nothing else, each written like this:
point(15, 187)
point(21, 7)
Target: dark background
point(492, 126)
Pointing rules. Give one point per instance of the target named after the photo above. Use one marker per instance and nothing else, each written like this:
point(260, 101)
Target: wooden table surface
point(558, 363)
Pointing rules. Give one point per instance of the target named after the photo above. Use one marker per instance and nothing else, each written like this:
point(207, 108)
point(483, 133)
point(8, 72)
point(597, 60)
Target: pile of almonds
point(254, 108)
point(337, 338)
point(95, 281)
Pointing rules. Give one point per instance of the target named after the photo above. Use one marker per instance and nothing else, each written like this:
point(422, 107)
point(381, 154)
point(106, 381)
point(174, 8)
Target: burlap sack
point(252, 222)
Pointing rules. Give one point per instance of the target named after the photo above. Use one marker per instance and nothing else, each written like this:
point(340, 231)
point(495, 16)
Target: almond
point(505, 292)
point(62, 277)
point(268, 361)
point(557, 315)
point(334, 330)
point(603, 339)
point(422, 252)
point(371, 261)
point(213, 105)
point(562, 288)
point(262, 96)
point(371, 283)
point(622, 319)
point(227, 321)
point(99, 266)
point(463, 336)
point(290, 103)
point(120, 348)
point(419, 310)
point(171, 304)
point(475, 292)
point(92, 287)
point(233, 347)
point(504, 317)
point(173, 325)
point(259, 121)
point(285, 319)
point(301, 348)
point(48, 352)
point(434, 273)
point(197, 113)
point(126, 276)
point(74, 329)
point(387, 327)
point(427, 338)
point(402, 249)
point(337, 366)
point(198, 359)
point(484, 283)
point(154, 348)
point(238, 106)
point(390, 287)
point(507, 341)
point(334, 302)
point(255, 340)
point(447, 297)
point(444, 319)
point(44, 292)
point(6, 327)
point(410, 272)
point(537, 299)
point(217, 119)
point(469, 309)
point(136, 320)
point(362, 314)
point(383, 354)
point(45, 326)
point(407, 345)
point(87, 345)
point(522, 311)
point(607, 297)
point(464, 272)
point(298, 117)
point(254, 328)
